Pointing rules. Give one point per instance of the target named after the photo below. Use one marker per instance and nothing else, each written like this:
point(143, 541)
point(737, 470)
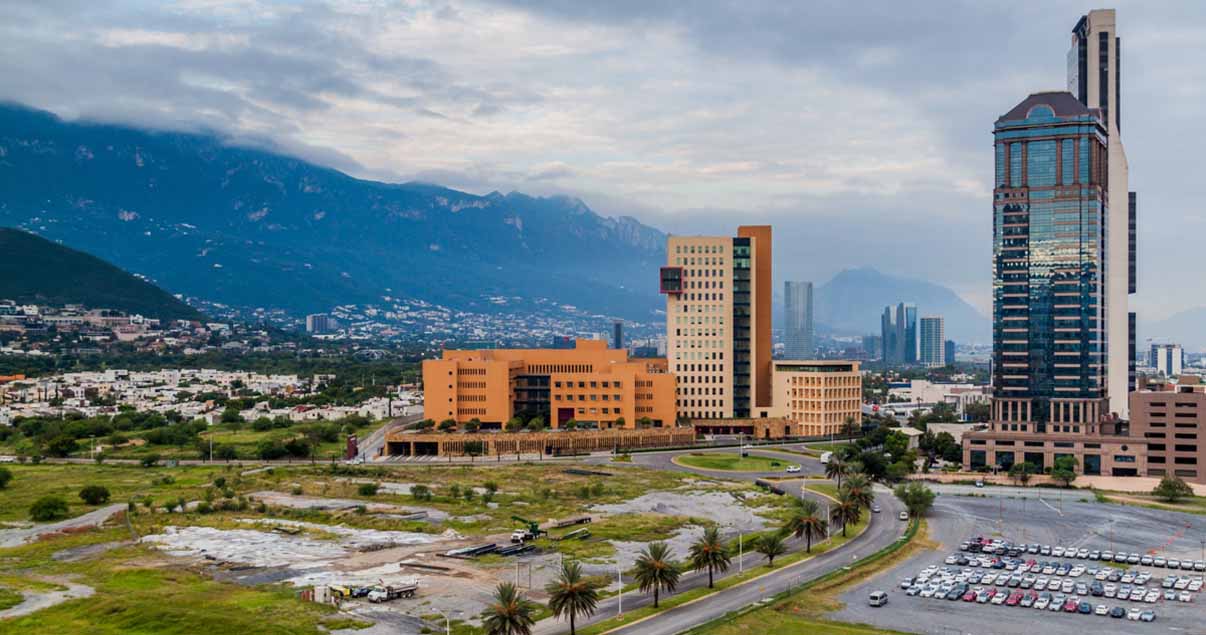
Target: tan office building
point(819, 396)
point(591, 384)
point(1170, 418)
point(718, 322)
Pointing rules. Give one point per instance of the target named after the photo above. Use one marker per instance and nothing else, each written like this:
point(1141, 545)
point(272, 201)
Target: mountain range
point(854, 300)
point(248, 227)
point(34, 270)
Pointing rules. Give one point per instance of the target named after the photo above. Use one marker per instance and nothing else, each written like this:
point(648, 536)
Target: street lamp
point(447, 619)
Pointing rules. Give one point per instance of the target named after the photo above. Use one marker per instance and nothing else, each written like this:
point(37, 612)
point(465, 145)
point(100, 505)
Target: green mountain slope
point(36, 270)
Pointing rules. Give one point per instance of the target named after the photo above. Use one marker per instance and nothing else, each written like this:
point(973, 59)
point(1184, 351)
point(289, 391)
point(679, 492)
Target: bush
point(220, 482)
point(1172, 489)
point(6, 477)
point(48, 508)
point(150, 460)
point(420, 492)
point(95, 494)
point(368, 489)
point(204, 507)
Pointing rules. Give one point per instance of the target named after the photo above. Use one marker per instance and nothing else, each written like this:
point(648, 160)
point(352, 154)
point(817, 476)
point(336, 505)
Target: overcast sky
point(861, 130)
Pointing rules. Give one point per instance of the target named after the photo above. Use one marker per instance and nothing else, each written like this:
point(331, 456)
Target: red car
point(970, 596)
point(1014, 598)
point(1070, 606)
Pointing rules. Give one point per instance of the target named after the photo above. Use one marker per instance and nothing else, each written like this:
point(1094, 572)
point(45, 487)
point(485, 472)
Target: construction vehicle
point(531, 532)
point(387, 593)
point(340, 592)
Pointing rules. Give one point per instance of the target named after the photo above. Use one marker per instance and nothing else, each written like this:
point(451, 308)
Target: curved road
point(883, 530)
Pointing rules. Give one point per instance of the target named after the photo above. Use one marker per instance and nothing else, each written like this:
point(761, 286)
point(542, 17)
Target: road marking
point(1041, 500)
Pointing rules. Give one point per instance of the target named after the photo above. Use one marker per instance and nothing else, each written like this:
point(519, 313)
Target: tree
point(426, 425)
point(1064, 469)
point(709, 552)
point(1021, 472)
point(771, 545)
point(859, 488)
point(61, 446)
point(849, 428)
point(806, 522)
point(836, 468)
point(536, 424)
point(420, 492)
point(150, 460)
point(6, 477)
point(226, 452)
point(94, 494)
point(1172, 489)
point(978, 412)
point(514, 424)
point(510, 614)
point(619, 422)
point(368, 489)
point(846, 511)
point(473, 425)
point(572, 424)
point(448, 425)
point(48, 508)
point(917, 497)
point(571, 594)
point(655, 570)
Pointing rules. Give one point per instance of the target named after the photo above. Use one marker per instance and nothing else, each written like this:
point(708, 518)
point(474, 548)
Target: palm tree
point(859, 487)
point(771, 545)
point(710, 553)
point(847, 510)
point(806, 522)
point(571, 594)
point(655, 570)
point(836, 468)
point(511, 613)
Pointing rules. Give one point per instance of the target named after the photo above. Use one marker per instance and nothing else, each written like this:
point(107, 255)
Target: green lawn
point(732, 462)
point(828, 447)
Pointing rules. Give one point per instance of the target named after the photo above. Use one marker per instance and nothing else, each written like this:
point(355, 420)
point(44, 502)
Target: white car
point(1185, 596)
point(1181, 584)
point(1134, 613)
point(1151, 597)
point(904, 515)
point(1101, 610)
point(793, 469)
point(1041, 603)
point(1058, 552)
point(1195, 585)
point(1000, 598)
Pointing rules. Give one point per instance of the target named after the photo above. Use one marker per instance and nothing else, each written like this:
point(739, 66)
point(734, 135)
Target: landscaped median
point(731, 462)
point(787, 613)
point(750, 574)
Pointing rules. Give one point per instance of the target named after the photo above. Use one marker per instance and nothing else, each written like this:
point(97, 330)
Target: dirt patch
point(297, 501)
point(722, 508)
point(38, 600)
point(76, 554)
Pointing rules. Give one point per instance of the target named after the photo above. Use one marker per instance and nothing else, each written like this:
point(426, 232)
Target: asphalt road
point(884, 528)
point(1089, 525)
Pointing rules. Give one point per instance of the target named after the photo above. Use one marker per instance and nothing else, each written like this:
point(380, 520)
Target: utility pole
point(620, 582)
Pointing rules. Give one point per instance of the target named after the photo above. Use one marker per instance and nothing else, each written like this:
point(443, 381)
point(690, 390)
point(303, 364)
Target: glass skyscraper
point(1050, 214)
point(797, 320)
point(933, 342)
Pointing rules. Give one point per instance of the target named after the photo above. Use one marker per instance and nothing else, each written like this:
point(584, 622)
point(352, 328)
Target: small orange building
point(590, 383)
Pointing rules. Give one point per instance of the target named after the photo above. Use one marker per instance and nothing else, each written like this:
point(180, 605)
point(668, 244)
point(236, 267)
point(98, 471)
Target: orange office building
point(592, 384)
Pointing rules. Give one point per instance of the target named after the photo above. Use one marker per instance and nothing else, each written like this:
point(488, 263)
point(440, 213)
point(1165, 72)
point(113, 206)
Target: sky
point(861, 130)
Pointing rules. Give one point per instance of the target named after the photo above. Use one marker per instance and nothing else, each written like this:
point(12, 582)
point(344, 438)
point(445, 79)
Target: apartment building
point(592, 384)
point(1170, 416)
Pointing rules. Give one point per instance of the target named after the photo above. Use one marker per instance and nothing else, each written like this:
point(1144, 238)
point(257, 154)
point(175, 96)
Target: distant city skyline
point(487, 113)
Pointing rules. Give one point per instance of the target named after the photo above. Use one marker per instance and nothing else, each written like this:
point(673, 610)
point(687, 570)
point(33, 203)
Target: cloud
point(862, 130)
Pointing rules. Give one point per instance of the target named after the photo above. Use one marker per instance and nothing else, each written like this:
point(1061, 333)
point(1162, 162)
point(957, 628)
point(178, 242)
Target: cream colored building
point(718, 322)
point(818, 395)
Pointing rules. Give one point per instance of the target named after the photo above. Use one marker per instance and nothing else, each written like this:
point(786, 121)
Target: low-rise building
point(591, 384)
point(1170, 417)
point(820, 396)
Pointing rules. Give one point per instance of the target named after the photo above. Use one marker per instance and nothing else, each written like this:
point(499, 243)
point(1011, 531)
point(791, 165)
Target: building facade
point(1095, 79)
point(1167, 359)
point(321, 324)
point(596, 386)
point(718, 322)
point(933, 342)
point(819, 396)
point(1170, 417)
point(948, 352)
point(898, 328)
point(797, 320)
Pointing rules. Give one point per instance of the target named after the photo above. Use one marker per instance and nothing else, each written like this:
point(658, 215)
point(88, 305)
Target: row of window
point(592, 384)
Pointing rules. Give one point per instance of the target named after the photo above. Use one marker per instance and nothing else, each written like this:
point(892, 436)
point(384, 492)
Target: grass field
point(124, 482)
point(732, 462)
point(828, 447)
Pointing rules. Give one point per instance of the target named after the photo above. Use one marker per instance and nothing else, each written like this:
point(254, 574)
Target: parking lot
point(1071, 529)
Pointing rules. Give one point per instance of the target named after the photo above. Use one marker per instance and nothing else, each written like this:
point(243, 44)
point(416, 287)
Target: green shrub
point(48, 508)
point(368, 489)
point(95, 494)
point(6, 477)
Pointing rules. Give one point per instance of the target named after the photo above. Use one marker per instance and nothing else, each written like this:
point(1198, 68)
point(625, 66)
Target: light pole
point(447, 619)
point(620, 582)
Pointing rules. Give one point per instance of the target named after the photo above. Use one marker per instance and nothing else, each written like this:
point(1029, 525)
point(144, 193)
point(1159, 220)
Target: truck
point(825, 456)
point(532, 531)
point(387, 593)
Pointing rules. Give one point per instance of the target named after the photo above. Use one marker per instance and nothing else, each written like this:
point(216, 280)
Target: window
point(1123, 458)
point(1015, 164)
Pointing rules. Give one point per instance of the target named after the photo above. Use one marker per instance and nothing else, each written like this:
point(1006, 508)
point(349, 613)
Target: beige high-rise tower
point(718, 322)
point(1095, 79)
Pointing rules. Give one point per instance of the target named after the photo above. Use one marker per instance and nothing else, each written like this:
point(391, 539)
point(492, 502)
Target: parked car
point(1117, 612)
point(1185, 596)
point(875, 509)
point(1101, 610)
point(1147, 616)
point(904, 515)
point(1134, 613)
